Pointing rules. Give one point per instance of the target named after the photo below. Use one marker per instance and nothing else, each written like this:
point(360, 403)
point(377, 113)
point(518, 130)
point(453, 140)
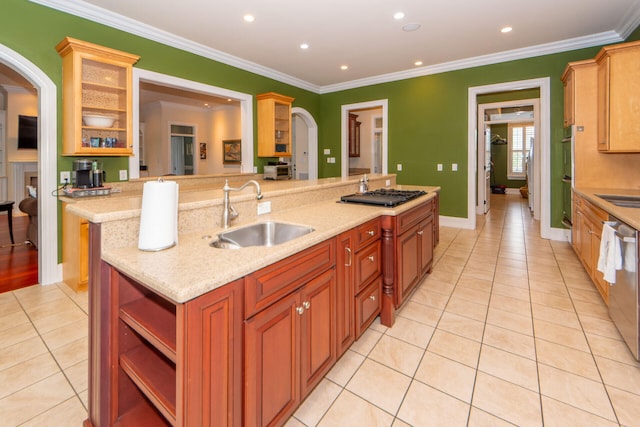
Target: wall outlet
point(387, 183)
point(255, 169)
point(399, 167)
point(65, 177)
point(123, 175)
point(454, 167)
point(439, 167)
point(264, 208)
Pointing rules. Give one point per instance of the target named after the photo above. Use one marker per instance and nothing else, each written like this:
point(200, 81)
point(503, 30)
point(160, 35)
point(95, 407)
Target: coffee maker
point(86, 174)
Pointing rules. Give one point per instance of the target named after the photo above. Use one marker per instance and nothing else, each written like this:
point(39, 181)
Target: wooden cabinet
point(159, 363)
point(345, 323)
point(586, 235)
point(618, 91)
point(291, 343)
point(408, 241)
point(75, 250)
point(568, 82)
point(354, 135)
point(274, 125)
point(96, 83)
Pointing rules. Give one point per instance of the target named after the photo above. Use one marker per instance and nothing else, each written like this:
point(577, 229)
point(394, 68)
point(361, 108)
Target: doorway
point(503, 159)
point(376, 153)
point(182, 141)
point(542, 151)
point(49, 271)
point(305, 144)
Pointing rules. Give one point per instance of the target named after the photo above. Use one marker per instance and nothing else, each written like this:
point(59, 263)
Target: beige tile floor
point(507, 330)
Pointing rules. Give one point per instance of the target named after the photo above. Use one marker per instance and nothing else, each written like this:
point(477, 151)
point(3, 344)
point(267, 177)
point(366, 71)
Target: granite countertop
point(192, 267)
point(631, 216)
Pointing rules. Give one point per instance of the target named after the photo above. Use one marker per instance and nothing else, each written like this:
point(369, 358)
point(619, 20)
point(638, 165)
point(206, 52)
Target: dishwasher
point(624, 302)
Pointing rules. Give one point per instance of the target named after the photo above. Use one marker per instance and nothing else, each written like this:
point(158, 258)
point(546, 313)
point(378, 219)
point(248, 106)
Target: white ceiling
point(363, 33)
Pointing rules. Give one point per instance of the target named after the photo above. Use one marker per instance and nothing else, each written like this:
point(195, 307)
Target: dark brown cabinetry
point(291, 344)
point(408, 240)
point(354, 135)
point(159, 363)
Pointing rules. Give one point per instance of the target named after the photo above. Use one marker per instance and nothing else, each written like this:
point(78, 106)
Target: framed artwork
point(203, 150)
point(232, 151)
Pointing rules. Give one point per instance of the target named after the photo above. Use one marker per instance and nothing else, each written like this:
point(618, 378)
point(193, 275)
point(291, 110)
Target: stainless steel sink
point(622, 201)
point(268, 233)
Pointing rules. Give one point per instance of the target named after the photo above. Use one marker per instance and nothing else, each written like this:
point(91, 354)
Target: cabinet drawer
point(408, 219)
point(266, 286)
point(368, 305)
point(368, 265)
point(367, 233)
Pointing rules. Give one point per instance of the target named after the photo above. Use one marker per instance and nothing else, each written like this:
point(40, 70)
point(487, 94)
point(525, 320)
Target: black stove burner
point(383, 197)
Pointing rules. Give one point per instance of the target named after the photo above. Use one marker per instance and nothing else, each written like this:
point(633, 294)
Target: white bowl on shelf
point(99, 121)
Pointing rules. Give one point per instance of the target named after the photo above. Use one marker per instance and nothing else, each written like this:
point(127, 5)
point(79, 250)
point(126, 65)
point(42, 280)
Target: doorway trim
point(49, 271)
point(246, 113)
point(312, 138)
point(544, 84)
point(344, 158)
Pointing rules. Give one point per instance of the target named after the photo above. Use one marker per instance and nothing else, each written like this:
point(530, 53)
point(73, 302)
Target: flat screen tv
point(27, 132)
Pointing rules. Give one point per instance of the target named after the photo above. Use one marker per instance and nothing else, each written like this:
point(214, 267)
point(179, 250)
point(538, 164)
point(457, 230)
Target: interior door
point(177, 155)
point(487, 168)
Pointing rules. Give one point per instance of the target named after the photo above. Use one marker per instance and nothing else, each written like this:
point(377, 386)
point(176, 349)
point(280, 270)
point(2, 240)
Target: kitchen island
point(196, 335)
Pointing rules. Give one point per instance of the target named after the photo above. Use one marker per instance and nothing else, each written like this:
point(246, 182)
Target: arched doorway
point(49, 271)
point(311, 137)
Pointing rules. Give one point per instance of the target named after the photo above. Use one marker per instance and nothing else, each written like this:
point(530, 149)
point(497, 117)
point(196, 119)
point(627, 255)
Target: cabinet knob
point(371, 232)
point(420, 233)
point(371, 258)
point(300, 310)
point(306, 305)
point(372, 297)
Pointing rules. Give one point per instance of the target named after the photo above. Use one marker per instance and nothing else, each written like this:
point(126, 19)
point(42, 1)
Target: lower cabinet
point(408, 241)
point(290, 346)
point(586, 235)
point(75, 250)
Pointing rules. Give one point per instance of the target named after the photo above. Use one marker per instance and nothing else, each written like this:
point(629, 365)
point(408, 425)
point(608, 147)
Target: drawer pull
point(372, 297)
point(306, 305)
point(371, 232)
point(371, 258)
point(348, 264)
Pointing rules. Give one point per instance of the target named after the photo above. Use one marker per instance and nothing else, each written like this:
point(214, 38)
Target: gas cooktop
point(383, 197)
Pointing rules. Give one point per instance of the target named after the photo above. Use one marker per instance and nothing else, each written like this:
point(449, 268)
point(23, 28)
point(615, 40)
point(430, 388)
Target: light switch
point(327, 151)
point(454, 167)
point(439, 167)
point(399, 167)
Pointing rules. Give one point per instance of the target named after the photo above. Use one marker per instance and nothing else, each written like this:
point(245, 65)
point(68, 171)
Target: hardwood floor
point(18, 264)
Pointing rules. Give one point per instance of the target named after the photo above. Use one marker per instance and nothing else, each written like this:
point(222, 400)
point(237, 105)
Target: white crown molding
point(111, 19)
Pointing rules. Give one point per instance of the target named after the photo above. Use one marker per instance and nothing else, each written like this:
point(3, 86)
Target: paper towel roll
point(159, 216)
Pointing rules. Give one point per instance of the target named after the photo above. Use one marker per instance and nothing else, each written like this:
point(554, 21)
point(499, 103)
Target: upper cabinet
point(618, 93)
point(274, 125)
point(96, 99)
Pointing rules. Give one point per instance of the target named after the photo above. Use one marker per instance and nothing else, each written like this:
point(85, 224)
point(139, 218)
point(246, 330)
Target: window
point(520, 142)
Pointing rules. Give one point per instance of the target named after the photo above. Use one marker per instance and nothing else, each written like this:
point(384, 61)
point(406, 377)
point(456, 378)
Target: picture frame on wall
point(203, 150)
point(232, 151)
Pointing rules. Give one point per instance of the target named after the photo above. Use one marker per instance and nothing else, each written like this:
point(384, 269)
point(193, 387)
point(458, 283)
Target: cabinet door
point(598, 277)
point(569, 98)
point(408, 268)
point(272, 363)
point(210, 340)
point(317, 332)
point(368, 265)
point(603, 104)
point(425, 233)
point(344, 292)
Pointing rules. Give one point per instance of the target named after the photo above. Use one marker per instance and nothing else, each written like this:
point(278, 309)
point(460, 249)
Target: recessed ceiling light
point(417, 63)
point(506, 30)
point(398, 15)
point(304, 46)
point(410, 27)
point(249, 18)
point(344, 67)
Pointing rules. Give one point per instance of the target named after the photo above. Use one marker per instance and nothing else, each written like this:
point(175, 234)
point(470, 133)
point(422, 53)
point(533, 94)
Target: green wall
point(427, 115)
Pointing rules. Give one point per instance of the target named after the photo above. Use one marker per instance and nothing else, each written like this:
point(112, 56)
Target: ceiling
point(364, 35)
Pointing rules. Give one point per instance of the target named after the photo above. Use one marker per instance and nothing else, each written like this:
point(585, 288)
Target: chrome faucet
point(228, 211)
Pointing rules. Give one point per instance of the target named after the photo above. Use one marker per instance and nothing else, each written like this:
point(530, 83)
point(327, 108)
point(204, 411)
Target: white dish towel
point(610, 258)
